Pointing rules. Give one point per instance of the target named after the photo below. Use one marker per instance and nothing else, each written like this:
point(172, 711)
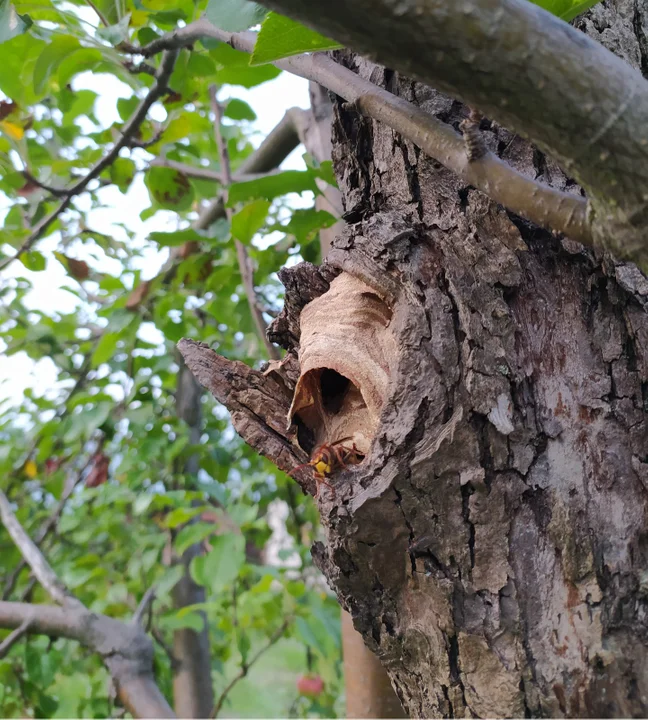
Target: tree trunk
point(193, 694)
point(491, 547)
point(369, 693)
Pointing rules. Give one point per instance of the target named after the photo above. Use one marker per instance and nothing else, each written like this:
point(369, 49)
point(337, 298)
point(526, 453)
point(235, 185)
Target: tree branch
point(245, 666)
point(15, 636)
point(547, 207)
point(203, 173)
point(124, 648)
point(241, 252)
point(33, 556)
point(57, 192)
point(529, 71)
point(158, 89)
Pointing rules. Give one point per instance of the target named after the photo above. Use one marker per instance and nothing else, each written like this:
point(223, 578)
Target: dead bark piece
point(346, 355)
point(258, 402)
point(303, 283)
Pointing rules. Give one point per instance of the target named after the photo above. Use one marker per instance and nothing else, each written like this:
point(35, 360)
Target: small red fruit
point(310, 685)
point(99, 472)
point(52, 464)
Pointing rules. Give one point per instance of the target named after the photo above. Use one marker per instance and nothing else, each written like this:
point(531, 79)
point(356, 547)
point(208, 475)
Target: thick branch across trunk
point(524, 68)
point(125, 649)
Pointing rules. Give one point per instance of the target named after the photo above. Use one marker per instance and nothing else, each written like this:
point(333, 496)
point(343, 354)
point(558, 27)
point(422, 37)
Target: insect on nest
point(328, 458)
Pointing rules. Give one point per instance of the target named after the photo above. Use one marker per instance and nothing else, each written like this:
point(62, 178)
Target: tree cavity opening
point(333, 387)
point(346, 354)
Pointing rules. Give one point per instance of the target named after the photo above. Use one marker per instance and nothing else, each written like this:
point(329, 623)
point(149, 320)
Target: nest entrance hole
point(333, 387)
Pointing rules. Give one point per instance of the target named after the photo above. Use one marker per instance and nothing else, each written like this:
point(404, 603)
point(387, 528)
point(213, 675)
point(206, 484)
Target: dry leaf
point(138, 295)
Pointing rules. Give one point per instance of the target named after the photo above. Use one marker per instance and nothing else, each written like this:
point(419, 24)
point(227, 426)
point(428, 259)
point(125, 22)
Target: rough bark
point(491, 548)
point(369, 693)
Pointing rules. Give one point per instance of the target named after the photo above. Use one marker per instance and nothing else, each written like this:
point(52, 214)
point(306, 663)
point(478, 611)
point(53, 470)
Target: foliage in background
point(102, 453)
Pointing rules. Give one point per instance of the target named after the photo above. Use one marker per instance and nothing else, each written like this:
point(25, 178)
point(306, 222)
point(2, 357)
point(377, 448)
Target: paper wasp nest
point(346, 353)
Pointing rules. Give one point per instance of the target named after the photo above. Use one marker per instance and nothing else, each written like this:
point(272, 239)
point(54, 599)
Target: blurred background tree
point(115, 243)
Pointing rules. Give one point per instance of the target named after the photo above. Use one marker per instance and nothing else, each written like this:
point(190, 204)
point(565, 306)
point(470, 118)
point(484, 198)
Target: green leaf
point(115, 34)
point(126, 106)
point(17, 67)
point(142, 503)
point(272, 186)
point(566, 9)
point(216, 491)
point(239, 110)
point(59, 48)
point(249, 220)
point(200, 65)
point(122, 172)
point(170, 579)
point(308, 631)
point(282, 37)
point(78, 62)
point(234, 15)
point(33, 260)
point(192, 620)
point(169, 188)
point(247, 77)
point(12, 24)
point(222, 564)
point(243, 642)
point(304, 224)
point(174, 239)
point(192, 534)
point(233, 68)
point(184, 125)
point(180, 516)
point(105, 349)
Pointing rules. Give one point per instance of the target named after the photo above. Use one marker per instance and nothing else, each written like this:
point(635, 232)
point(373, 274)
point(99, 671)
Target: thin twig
point(546, 206)
point(141, 67)
point(57, 192)
point(46, 528)
point(33, 556)
point(14, 636)
point(100, 15)
point(145, 603)
point(245, 667)
point(157, 636)
point(159, 88)
point(134, 142)
point(204, 173)
point(245, 267)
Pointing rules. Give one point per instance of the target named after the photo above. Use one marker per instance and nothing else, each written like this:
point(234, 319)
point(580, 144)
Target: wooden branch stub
point(258, 403)
point(303, 283)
